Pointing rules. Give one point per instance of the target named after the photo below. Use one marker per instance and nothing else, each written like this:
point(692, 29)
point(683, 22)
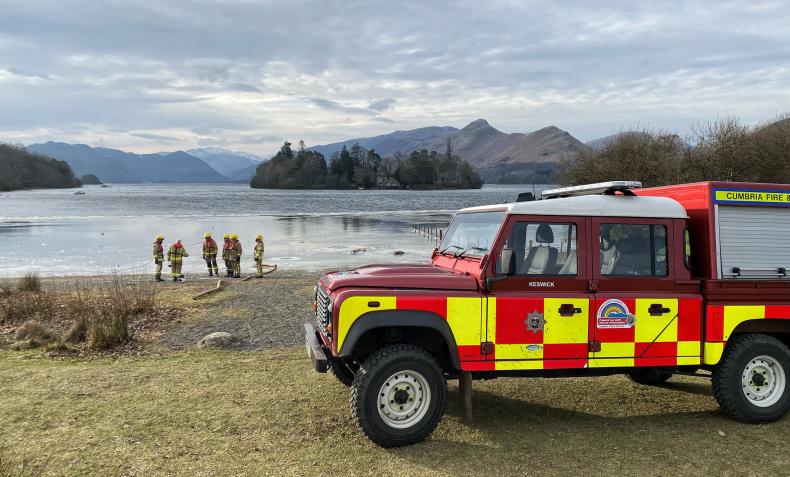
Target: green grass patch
point(268, 413)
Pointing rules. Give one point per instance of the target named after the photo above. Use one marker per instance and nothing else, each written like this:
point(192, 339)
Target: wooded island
point(358, 167)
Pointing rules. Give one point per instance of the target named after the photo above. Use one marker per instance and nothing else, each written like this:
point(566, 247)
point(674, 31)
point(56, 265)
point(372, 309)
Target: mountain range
point(112, 165)
point(497, 156)
point(236, 165)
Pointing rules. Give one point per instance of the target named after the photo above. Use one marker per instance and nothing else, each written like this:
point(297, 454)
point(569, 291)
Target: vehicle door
point(538, 315)
point(635, 314)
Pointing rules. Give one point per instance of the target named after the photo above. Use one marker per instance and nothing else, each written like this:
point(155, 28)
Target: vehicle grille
point(321, 313)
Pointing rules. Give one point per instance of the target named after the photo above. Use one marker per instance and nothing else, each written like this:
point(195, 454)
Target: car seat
point(542, 258)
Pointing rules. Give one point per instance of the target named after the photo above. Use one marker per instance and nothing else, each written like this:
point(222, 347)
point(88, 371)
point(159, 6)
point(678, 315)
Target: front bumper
point(315, 349)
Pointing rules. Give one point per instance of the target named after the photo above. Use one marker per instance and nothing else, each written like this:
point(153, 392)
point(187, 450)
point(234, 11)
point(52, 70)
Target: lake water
point(58, 232)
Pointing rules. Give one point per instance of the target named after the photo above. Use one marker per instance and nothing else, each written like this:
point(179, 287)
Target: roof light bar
point(592, 189)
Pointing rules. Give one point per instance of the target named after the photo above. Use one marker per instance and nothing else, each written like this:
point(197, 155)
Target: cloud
point(335, 106)
point(29, 74)
point(155, 137)
point(245, 88)
point(382, 104)
point(222, 71)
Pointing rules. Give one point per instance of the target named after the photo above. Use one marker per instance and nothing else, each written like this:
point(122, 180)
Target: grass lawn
point(266, 413)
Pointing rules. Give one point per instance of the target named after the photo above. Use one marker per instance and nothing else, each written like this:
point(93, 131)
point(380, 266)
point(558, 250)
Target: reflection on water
point(56, 232)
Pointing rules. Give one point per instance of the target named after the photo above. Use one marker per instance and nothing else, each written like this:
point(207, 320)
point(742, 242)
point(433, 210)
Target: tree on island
point(362, 168)
point(286, 170)
point(89, 179)
point(20, 169)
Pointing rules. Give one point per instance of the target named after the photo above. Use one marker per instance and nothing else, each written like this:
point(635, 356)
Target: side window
point(543, 248)
point(633, 250)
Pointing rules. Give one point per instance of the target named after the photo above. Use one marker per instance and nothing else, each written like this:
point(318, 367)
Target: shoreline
point(263, 313)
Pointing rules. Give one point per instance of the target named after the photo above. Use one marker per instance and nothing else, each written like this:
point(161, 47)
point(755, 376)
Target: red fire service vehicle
point(588, 281)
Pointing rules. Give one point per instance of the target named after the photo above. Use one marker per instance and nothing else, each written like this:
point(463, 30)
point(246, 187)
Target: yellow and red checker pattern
point(721, 321)
point(670, 339)
point(563, 343)
point(463, 314)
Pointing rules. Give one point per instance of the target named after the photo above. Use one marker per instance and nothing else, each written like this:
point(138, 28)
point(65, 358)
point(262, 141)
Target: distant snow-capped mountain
point(225, 161)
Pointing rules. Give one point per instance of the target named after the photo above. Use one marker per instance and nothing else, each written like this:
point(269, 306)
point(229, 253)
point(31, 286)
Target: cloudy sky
point(162, 75)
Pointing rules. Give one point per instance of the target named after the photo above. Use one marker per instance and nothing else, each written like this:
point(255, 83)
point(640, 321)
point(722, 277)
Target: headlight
point(329, 306)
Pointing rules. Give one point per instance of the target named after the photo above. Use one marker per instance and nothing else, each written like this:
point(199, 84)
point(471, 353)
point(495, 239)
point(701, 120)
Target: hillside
point(112, 165)
point(244, 174)
point(224, 161)
point(387, 144)
point(19, 169)
point(498, 156)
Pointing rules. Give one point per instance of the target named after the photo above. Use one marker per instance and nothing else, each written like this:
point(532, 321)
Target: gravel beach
point(264, 313)
point(261, 313)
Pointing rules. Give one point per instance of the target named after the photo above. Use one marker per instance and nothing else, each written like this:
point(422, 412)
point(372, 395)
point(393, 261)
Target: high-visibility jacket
point(176, 254)
point(258, 252)
point(237, 249)
point(209, 248)
point(226, 246)
point(159, 252)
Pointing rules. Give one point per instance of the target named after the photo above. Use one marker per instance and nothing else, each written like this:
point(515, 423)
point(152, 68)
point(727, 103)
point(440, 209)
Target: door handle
point(657, 309)
point(566, 309)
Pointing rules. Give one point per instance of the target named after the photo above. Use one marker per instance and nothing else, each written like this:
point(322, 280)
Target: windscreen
point(472, 234)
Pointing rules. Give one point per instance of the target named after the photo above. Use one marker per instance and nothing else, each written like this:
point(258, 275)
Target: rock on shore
point(219, 339)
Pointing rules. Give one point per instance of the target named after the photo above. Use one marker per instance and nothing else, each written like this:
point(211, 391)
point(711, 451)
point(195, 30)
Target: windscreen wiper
point(461, 253)
point(441, 252)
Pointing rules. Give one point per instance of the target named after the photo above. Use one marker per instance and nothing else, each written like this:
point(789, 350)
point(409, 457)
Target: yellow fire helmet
point(207, 235)
point(160, 237)
point(226, 237)
point(259, 237)
point(234, 237)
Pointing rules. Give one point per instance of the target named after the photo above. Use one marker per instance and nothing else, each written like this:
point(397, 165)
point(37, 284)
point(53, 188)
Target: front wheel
point(343, 372)
point(750, 383)
point(398, 395)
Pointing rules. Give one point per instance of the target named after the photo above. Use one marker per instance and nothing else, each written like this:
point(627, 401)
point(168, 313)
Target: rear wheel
point(750, 383)
point(398, 395)
point(649, 376)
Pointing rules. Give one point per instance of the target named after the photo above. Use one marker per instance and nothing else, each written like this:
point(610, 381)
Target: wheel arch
point(374, 324)
point(776, 327)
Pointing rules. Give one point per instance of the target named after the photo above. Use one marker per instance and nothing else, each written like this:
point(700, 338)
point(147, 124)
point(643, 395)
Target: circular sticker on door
point(614, 313)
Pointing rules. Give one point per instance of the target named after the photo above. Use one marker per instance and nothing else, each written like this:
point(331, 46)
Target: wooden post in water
point(465, 390)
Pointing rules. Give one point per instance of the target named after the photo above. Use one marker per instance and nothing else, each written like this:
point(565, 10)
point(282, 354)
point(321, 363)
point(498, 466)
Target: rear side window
point(633, 250)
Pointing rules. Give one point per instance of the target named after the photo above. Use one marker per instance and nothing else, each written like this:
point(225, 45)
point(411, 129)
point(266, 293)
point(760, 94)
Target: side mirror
point(506, 264)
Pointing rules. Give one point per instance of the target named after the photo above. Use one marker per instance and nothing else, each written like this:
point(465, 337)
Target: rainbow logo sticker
point(614, 313)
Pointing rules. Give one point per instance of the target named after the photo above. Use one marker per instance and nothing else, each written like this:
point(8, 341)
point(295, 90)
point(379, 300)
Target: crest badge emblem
point(535, 321)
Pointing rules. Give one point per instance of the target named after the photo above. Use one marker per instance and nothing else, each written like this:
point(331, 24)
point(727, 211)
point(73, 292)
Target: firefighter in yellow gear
point(226, 246)
point(210, 254)
point(236, 255)
point(231, 256)
point(159, 257)
point(258, 255)
point(176, 256)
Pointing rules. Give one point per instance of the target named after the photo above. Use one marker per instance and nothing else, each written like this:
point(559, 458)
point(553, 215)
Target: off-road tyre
point(343, 372)
point(729, 386)
point(649, 376)
point(388, 365)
